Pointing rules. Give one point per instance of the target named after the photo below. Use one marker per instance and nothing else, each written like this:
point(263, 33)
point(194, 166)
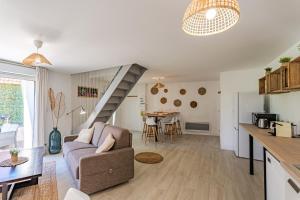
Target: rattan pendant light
point(36, 58)
point(208, 17)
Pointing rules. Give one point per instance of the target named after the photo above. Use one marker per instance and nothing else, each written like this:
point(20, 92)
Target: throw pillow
point(85, 135)
point(107, 144)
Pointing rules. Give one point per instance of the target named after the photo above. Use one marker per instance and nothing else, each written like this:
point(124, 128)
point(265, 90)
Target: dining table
point(160, 114)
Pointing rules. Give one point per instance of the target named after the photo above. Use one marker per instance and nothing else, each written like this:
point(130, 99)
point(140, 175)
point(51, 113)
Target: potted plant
point(285, 60)
point(268, 70)
point(57, 106)
point(14, 154)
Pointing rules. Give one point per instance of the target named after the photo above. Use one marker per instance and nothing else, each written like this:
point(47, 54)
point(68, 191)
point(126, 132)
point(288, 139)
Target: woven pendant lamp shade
point(223, 15)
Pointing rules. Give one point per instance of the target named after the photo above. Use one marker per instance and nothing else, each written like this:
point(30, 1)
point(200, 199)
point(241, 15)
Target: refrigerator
point(244, 104)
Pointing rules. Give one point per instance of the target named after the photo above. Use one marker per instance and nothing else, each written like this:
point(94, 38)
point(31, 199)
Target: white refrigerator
point(244, 104)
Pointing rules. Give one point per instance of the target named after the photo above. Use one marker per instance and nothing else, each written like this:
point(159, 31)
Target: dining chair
point(151, 129)
point(170, 128)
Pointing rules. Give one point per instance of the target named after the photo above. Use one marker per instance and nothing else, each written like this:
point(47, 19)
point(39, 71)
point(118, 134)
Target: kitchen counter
point(286, 150)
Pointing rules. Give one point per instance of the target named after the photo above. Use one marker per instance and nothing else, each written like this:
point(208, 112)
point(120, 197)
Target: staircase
point(124, 80)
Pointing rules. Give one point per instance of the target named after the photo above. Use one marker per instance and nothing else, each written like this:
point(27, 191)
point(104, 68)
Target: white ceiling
point(87, 35)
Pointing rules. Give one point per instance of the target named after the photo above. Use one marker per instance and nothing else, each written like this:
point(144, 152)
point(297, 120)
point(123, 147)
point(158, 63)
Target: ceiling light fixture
point(158, 84)
point(208, 17)
point(36, 58)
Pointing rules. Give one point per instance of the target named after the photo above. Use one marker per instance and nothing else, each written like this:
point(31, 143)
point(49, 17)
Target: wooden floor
point(194, 168)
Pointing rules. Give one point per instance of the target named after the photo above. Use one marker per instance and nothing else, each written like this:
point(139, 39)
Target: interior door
point(235, 124)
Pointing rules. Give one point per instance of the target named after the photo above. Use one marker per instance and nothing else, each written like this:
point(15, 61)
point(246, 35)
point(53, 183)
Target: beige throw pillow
point(107, 144)
point(85, 135)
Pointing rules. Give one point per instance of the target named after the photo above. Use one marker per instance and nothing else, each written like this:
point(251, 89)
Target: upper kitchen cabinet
point(294, 74)
point(282, 80)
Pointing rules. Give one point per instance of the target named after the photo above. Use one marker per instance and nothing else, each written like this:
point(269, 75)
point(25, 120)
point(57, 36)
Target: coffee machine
point(263, 120)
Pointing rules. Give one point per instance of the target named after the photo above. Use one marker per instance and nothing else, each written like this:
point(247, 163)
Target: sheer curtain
point(40, 106)
point(28, 93)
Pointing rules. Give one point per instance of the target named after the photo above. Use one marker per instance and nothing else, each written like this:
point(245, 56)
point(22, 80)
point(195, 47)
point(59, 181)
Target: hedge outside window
point(11, 103)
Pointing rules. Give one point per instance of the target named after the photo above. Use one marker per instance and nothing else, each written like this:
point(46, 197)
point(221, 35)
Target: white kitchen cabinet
point(276, 177)
point(292, 188)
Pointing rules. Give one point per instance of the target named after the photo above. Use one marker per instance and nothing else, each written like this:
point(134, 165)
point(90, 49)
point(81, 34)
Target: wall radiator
point(197, 126)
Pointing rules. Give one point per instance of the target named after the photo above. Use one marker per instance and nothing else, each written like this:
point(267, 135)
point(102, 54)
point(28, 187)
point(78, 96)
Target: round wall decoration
point(193, 104)
point(202, 91)
point(163, 100)
point(177, 103)
point(154, 90)
point(182, 91)
point(166, 90)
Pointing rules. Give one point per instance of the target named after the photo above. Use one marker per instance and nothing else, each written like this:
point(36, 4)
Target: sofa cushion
point(73, 159)
point(107, 144)
point(71, 146)
point(121, 136)
point(85, 135)
point(99, 126)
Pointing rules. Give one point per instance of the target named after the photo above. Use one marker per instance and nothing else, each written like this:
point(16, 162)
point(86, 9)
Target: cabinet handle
point(269, 160)
point(293, 185)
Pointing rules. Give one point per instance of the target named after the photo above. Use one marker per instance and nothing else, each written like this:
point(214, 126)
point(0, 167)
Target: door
point(275, 179)
point(292, 189)
point(235, 124)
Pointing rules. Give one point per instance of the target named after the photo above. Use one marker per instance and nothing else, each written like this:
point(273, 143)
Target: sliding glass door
point(17, 101)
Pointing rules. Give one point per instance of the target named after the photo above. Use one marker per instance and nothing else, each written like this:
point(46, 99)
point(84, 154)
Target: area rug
point(149, 157)
point(45, 190)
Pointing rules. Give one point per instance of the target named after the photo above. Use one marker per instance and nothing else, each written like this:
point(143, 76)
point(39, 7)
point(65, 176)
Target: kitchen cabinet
point(292, 188)
point(276, 177)
point(294, 74)
point(282, 80)
point(262, 85)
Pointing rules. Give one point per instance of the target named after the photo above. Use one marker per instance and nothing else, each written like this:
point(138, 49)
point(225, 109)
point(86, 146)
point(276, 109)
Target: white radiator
point(197, 126)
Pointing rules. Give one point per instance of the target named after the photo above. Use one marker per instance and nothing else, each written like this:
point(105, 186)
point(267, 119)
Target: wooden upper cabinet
point(285, 77)
point(294, 74)
point(282, 80)
point(262, 85)
point(275, 81)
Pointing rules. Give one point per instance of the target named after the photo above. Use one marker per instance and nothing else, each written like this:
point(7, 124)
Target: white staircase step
point(105, 113)
point(129, 78)
point(124, 85)
point(102, 119)
point(109, 107)
point(119, 93)
point(116, 100)
point(135, 70)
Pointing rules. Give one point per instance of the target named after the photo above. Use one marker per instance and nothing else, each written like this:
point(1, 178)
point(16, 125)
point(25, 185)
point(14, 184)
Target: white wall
point(230, 83)
point(128, 115)
point(206, 111)
point(287, 105)
point(59, 83)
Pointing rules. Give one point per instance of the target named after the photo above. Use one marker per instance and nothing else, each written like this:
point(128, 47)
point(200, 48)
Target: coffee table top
point(32, 168)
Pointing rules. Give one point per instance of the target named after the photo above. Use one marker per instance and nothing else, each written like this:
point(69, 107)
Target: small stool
point(150, 129)
point(171, 129)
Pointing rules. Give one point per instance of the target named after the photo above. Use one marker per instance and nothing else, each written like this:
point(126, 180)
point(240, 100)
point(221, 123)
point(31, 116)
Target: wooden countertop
point(286, 150)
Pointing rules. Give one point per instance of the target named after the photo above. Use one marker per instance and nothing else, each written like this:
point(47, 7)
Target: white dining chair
point(74, 194)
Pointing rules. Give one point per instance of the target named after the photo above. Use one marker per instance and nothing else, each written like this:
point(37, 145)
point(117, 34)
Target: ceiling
point(87, 35)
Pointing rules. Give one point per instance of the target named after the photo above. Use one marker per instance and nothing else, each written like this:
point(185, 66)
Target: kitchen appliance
point(244, 104)
point(284, 129)
point(263, 123)
point(269, 116)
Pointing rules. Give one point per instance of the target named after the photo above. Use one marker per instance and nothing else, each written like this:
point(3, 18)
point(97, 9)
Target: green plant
point(14, 151)
point(11, 103)
point(268, 69)
point(285, 59)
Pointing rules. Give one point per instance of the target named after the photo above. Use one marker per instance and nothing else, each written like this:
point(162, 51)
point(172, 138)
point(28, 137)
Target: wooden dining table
point(157, 115)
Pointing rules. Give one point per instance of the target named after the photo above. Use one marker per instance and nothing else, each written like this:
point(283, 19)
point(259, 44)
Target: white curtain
point(28, 114)
point(40, 106)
